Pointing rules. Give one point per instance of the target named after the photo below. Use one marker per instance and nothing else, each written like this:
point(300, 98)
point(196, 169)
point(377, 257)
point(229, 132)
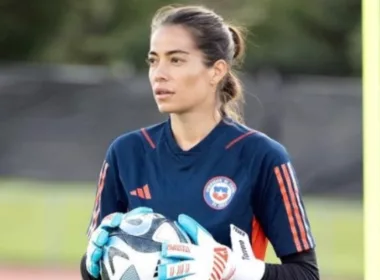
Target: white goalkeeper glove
point(208, 259)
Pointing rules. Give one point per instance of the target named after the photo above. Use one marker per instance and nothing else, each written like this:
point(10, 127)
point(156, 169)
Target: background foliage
point(293, 36)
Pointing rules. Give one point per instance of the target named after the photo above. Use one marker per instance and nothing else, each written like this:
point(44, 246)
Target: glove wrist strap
point(249, 270)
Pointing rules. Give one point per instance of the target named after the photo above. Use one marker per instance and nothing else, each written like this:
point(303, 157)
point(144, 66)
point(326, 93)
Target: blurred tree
point(321, 37)
point(307, 37)
point(26, 26)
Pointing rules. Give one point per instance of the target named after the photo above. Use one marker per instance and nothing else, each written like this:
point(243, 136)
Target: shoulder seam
point(239, 138)
point(148, 138)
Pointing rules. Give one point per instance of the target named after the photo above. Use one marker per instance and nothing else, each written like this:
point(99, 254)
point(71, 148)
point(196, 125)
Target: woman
point(203, 162)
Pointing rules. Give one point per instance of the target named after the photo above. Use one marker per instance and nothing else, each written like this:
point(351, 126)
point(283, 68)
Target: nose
point(159, 73)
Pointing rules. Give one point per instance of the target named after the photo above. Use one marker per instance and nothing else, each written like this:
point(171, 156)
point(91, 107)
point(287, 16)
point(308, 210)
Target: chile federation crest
point(219, 192)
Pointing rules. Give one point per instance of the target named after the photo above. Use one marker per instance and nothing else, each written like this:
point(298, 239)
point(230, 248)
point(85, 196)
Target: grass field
point(45, 223)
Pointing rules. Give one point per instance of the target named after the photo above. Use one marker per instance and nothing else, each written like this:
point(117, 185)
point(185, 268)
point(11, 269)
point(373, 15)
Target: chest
point(214, 192)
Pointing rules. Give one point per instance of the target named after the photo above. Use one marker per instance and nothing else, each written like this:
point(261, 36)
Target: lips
point(163, 92)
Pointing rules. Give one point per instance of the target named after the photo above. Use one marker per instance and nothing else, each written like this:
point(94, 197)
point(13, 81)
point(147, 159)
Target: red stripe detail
point(220, 260)
point(288, 208)
point(95, 215)
point(259, 240)
point(218, 263)
point(222, 252)
point(180, 269)
point(187, 269)
point(217, 270)
point(299, 201)
point(296, 209)
point(148, 138)
point(140, 193)
point(147, 192)
point(241, 137)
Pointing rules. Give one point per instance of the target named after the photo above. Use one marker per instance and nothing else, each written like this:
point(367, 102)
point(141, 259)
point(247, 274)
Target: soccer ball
point(133, 249)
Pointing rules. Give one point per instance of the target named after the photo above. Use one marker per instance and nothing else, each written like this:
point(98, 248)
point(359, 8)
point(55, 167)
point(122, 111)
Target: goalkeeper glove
point(100, 237)
point(208, 259)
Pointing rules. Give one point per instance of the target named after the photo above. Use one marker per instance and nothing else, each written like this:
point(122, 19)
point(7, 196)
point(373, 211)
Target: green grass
point(44, 223)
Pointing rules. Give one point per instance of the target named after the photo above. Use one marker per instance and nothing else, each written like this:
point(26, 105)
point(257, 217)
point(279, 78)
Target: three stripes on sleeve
point(294, 207)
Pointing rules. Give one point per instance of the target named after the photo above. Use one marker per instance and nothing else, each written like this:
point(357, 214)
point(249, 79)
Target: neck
point(191, 128)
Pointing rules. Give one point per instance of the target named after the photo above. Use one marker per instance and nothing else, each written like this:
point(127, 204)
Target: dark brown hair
point(217, 40)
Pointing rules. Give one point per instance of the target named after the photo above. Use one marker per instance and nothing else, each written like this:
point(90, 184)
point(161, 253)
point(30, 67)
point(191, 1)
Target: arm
point(108, 200)
point(109, 195)
point(280, 211)
point(298, 266)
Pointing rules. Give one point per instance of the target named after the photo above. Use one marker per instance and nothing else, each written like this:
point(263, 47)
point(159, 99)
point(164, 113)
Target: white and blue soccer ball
point(133, 250)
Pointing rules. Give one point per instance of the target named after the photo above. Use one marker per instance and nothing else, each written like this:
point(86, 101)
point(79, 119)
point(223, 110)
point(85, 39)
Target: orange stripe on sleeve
point(288, 208)
point(295, 207)
point(258, 240)
point(102, 177)
point(96, 211)
point(301, 207)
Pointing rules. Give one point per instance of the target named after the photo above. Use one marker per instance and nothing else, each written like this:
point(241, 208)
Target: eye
point(176, 61)
point(151, 61)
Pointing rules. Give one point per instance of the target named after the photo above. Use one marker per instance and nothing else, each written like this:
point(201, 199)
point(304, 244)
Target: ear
point(218, 71)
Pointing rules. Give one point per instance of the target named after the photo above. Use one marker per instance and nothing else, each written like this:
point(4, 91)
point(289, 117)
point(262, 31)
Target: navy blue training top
point(234, 175)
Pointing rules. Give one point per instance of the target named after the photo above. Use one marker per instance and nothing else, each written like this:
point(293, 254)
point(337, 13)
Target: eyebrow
point(170, 52)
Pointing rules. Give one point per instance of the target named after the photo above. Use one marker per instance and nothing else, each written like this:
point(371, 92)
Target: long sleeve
point(281, 214)
point(278, 205)
point(109, 195)
point(299, 266)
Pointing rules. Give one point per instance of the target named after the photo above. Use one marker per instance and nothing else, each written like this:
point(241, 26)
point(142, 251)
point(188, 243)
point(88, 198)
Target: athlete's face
point(179, 78)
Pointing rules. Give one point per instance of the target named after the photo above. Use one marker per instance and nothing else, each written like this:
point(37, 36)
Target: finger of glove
point(198, 234)
point(180, 251)
point(183, 233)
point(93, 253)
point(139, 210)
point(240, 243)
point(99, 237)
point(111, 221)
point(93, 256)
point(190, 270)
point(177, 270)
point(93, 269)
